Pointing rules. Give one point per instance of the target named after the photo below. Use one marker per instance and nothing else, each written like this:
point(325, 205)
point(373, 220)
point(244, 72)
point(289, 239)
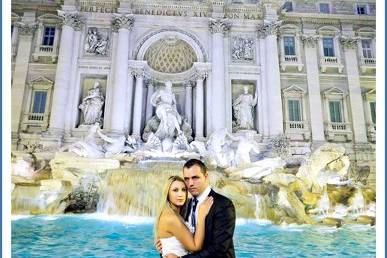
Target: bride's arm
point(191, 242)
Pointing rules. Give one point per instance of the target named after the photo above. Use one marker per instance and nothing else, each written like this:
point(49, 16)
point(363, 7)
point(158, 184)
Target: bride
point(174, 234)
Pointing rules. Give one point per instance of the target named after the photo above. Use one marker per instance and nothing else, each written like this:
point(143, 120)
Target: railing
point(35, 119)
point(329, 60)
point(291, 59)
point(35, 116)
point(339, 126)
point(368, 61)
point(46, 49)
point(295, 125)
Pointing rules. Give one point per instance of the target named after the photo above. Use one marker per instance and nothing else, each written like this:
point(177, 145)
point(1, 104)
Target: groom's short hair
point(195, 162)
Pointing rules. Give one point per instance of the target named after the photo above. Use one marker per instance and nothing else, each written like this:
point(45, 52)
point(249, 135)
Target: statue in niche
point(92, 104)
point(165, 103)
point(243, 112)
point(96, 43)
point(165, 130)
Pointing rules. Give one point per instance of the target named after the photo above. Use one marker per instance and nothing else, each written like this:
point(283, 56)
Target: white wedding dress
point(172, 246)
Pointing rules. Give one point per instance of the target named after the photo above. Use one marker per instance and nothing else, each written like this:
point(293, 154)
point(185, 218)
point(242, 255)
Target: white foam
point(240, 221)
point(134, 220)
point(17, 217)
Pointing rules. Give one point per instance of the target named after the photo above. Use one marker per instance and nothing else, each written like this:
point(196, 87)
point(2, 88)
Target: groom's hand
point(158, 246)
point(171, 256)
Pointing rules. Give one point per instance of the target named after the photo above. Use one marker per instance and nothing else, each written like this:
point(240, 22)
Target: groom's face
point(196, 181)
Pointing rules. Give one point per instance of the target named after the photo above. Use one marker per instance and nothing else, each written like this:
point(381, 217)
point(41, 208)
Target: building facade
point(311, 65)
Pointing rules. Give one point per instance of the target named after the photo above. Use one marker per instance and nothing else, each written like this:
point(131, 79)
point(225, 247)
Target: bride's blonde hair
point(166, 204)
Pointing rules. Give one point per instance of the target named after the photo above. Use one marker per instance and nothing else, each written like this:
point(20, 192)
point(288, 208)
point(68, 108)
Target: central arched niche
point(170, 55)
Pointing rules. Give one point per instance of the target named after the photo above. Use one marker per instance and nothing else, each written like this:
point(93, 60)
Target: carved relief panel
point(97, 42)
point(242, 49)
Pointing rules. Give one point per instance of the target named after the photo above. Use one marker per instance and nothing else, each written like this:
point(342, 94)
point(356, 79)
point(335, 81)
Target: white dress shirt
point(200, 199)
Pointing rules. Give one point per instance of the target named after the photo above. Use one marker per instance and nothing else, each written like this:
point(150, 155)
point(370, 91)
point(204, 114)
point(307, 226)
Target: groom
point(220, 221)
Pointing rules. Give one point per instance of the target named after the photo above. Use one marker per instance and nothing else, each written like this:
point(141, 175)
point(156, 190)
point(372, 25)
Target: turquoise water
point(99, 236)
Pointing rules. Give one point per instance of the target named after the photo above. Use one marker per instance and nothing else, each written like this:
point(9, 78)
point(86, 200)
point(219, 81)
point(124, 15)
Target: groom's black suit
point(219, 229)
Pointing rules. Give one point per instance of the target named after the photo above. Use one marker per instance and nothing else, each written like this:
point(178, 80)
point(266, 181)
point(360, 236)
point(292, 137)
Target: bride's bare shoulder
point(169, 218)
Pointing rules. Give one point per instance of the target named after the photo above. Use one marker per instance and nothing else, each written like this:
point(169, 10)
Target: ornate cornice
point(219, 25)
point(26, 29)
point(349, 42)
point(124, 21)
point(267, 29)
point(138, 72)
point(71, 19)
point(310, 40)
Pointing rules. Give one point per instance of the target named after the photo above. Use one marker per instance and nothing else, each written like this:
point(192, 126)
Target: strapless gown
point(172, 246)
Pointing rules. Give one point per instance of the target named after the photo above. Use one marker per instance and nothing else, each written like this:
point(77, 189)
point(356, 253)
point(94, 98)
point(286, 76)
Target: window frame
point(329, 10)
point(324, 39)
point(50, 37)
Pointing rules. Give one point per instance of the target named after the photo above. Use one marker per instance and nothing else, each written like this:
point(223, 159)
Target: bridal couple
point(200, 226)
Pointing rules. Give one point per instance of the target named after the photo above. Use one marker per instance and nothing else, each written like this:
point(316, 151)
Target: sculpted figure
point(170, 120)
point(100, 47)
point(243, 109)
point(92, 104)
point(91, 41)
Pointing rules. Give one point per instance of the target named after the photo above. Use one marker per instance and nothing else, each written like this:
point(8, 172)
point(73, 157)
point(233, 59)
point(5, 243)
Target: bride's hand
point(205, 206)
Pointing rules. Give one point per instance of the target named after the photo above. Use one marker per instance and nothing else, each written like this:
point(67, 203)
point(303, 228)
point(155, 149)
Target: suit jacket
point(219, 229)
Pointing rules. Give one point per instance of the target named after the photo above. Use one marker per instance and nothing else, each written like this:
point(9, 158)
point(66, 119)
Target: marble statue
point(91, 146)
point(243, 112)
point(98, 145)
point(92, 104)
point(170, 120)
point(220, 147)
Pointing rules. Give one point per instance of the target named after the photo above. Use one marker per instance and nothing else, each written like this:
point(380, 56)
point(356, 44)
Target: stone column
point(218, 27)
point(71, 117)
point(355, 96)
point(188, 102)
point(138, 102)
point(149, 106)
point(122, 23)
point(199, 106)
point(63, 70)
point(314, 94)
point(263, 104)
point(273, 83)
point(25, 31)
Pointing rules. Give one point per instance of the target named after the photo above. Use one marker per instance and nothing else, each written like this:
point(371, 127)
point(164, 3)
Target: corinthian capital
point(124, 21)
point(26, 29)
point(267, 29)
point(138, 72)
point(71, 19)
point(219, 25)
point(309, 40)
point(349, 42)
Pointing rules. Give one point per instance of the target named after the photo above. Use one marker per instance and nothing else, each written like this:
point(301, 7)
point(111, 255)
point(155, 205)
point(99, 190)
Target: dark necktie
point(193, 217)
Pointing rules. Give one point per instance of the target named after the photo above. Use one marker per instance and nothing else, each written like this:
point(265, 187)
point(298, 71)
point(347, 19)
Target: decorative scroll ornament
point(310, 40)
point(200, 74)
point(71, 19)
point(26, 29)
point(123, 21)
point(219, 25)
point(349, 42)
point(267, 29)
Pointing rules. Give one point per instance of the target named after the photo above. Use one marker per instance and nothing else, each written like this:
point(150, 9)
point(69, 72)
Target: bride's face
point(177, 193)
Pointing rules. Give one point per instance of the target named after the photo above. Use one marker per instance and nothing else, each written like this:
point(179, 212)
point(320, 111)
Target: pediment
point(49, 18)
point(41, 80)
point(294, 88)
point(333, 91)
